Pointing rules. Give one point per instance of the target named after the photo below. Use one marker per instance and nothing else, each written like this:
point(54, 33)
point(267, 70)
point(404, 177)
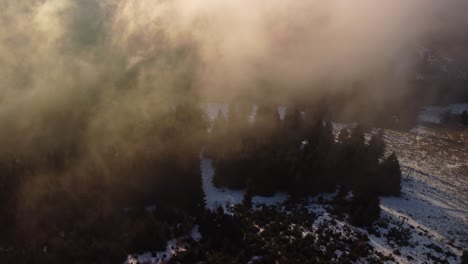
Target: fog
point(80, 74)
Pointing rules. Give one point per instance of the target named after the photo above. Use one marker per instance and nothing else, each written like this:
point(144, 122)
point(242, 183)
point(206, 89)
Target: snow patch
point(173, 247)
point(227, 198)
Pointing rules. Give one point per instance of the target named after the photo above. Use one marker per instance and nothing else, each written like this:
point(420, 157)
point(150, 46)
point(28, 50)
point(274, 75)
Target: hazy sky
point(100, 66)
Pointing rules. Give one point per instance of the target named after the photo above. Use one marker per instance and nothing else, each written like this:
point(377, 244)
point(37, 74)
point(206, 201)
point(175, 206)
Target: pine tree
point(391, 176)
point(234, 117)
point(11, 175)
point(464, 118)
point(355, 159)
point(343, 159)
point(267, 120)
point(328, 131)
point(326, 139)
point(464, 257)
point(292, 129)
point(317, 130)
point(446, 116)
point(219, 124)
point(247, 200)
point(376, 146)
point(357, 137)
point(293, 120)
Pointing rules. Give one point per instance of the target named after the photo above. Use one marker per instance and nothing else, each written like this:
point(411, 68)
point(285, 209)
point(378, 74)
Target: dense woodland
point(302, 156)
point(61, 207)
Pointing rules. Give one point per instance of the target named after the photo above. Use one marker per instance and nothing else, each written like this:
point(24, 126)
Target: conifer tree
point(365, 208)
point(446, 116)
point(219, 124)
point(328, 131)
point(234, 116)
point(293, 120)
point(217, 135)
point(464, 257)
point(292, 130)
point(353, 160)
point(357, 137)
point(267, 120)
point(377, 145)
point(247, 200)
point(464, 118)
point(315, 132)
point(391, 176)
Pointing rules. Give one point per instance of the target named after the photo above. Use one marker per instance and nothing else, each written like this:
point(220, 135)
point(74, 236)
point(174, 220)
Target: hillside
point(428, 223)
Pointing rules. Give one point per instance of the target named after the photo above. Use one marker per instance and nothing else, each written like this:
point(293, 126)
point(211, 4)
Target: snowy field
point(435, 195)
point(173, 247)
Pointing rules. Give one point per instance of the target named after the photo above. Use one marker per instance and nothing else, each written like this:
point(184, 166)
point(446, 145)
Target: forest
point(121, 203)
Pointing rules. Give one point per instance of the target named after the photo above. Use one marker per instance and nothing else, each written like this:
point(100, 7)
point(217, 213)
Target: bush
point(401, 237)
point(365, 208)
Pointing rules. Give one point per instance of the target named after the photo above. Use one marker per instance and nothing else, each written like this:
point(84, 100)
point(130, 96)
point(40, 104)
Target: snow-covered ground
point(215, 197)
point(173, 246)
point(434, 200)
point(434, 195)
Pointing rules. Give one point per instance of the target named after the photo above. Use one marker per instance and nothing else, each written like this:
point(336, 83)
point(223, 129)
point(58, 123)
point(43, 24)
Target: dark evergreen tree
point(219, 124)
point(390, 176)
point(374, 153)
point(446, 117)
point(267, 121)
point(293, 121)
point(247, 200)
point(357, 139)
point(328, 135)
point(464, 257)
point(176, 177)
point(376, 145)
point(327, 154)
point(216, 148)
point(355, 159)
point(464, 118)
point(12, 172)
